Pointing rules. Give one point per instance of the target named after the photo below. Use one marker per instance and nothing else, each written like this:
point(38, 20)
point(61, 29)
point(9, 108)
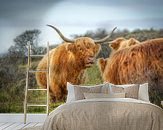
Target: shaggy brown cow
point(67, 63)
point(135, 63)
point(116, 45)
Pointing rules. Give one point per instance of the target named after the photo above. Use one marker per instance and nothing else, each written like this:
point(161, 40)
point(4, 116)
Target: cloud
point(20, 15)
point(75, 16)
point(23, 13)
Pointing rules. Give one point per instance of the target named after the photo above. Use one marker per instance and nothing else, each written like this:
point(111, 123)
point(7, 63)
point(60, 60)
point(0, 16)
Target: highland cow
point(68, 62)
point(137, 64)
point(116, 45)
point(137, 60)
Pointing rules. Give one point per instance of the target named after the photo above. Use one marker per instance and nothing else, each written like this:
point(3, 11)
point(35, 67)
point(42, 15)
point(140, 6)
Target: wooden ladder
point(26, 105)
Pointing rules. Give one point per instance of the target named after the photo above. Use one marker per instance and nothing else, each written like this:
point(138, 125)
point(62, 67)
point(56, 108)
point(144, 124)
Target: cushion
point(70, 95)
point(102, 95)
point(131, 90)
point(162, 103)
point(79, 91)
point(76, 92)
point(143, 92)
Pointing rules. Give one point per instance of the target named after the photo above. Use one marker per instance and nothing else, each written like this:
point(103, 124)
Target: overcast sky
point(75, 17)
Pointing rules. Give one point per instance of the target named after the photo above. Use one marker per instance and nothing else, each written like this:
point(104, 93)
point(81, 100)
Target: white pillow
point(162, 103)
point(143, 92)
point(102, 95)
point(76, 92)
point(71, 94)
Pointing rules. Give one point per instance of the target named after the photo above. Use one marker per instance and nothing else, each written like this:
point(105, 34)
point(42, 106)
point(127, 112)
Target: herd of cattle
point(131, 61)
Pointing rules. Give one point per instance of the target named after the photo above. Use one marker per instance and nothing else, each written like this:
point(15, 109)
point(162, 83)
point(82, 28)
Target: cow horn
point(60, 34)
point(105, 38)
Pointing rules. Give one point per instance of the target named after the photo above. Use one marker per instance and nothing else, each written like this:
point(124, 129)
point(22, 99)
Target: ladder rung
point(36, 89)
point(38, 71)
point(37, 55)
point(36, 105)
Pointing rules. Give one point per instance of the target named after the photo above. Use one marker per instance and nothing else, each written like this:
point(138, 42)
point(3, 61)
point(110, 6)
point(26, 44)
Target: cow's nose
point(91, 58)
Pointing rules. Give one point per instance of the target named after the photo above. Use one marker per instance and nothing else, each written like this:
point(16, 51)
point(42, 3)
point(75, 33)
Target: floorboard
point(21, 126)
point(18, 126)
point(12, 127)
point(6, 125)
point(30, 125)
point(13, 121)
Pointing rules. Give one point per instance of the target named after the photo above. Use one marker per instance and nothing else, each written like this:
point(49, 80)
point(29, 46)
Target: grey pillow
point(131, 90)
point(76, 92)
point(79, 91)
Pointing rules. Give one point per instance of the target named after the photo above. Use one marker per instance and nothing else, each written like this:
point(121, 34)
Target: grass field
point(12, 101)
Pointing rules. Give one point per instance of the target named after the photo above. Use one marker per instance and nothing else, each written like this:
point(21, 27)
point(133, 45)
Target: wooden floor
point(15, 121)
point(18, 126)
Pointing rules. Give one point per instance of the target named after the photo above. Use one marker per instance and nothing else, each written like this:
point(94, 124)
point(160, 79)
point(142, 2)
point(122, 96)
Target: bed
point(102, 113)
point(106, 114)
